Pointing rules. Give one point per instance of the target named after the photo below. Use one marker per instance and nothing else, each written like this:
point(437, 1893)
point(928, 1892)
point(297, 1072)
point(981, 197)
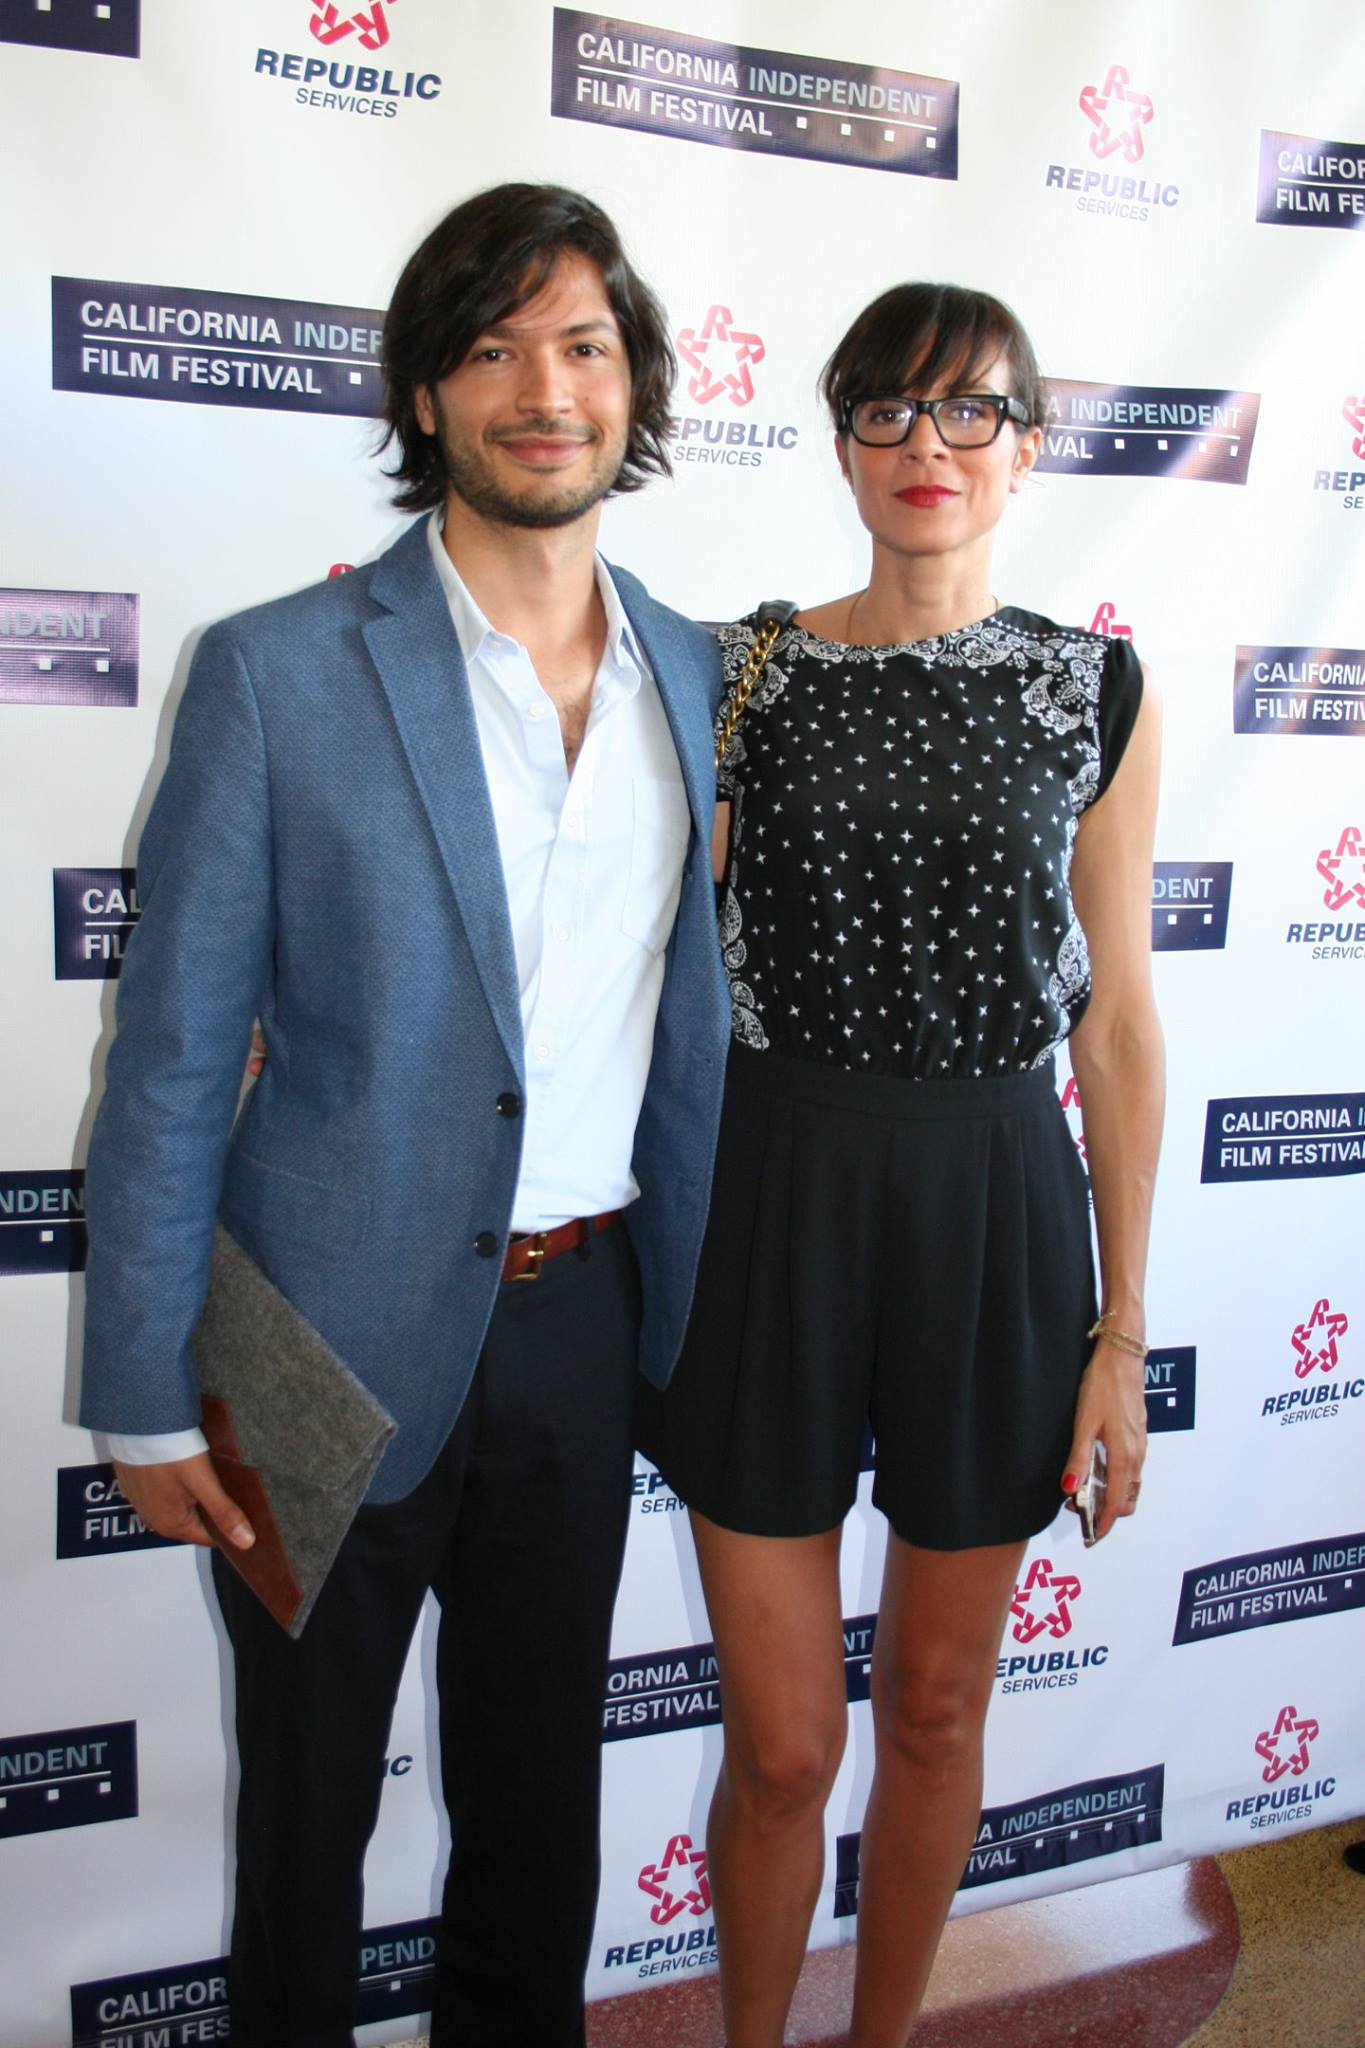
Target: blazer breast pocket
point(661, 827)
point(278, 1203)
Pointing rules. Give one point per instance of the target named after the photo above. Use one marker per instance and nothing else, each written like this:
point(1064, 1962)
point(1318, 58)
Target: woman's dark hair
point(922, 334)
point(486, 259)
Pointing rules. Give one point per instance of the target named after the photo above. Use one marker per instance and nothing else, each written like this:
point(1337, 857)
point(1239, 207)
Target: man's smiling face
point(533, 424)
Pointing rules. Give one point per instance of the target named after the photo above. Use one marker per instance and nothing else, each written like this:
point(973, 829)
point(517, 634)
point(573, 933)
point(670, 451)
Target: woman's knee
point(932, 1722)
point(787, 1773)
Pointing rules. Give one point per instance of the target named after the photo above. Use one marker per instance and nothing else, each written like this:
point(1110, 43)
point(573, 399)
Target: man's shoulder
point(320, 611)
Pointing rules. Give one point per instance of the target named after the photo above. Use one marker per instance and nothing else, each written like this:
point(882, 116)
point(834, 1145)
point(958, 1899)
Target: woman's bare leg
point(775, 1611)
point(938, 1637)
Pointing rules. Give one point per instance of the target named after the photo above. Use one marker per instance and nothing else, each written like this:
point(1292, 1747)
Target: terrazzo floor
point(1260, 1948)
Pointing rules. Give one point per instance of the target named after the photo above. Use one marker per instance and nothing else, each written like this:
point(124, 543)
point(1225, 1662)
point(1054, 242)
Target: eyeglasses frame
point(1006, 408)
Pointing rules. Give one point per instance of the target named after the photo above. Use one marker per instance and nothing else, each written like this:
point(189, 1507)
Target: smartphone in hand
point(1088, 1499)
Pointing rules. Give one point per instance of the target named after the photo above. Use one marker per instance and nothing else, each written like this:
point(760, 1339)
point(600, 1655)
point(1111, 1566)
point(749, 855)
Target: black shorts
point(910, 1254)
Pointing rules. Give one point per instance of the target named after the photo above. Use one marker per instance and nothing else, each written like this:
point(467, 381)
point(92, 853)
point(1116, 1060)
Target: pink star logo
point(1284, 1747)
point(1118, 116)
point(1043, 1602)
point(1343, 870)
point(330, 25)
point(1316, 1340)
point(720, 356)
point(683, 1867)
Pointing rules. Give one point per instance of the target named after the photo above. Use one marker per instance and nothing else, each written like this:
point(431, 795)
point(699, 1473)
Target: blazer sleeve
point(190, 986)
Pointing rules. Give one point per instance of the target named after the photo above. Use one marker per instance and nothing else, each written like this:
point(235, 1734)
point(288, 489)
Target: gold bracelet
point(1122, 1340)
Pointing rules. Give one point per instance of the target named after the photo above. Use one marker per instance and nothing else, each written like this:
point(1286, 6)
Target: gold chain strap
point(747, 684)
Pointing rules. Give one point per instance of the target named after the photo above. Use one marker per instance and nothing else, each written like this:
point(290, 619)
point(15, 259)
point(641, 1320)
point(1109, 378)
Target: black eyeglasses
point(972, 419)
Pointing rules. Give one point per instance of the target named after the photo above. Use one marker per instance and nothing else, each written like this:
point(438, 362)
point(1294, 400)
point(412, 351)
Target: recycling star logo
point(1343, 870)
point(1353, 412)
point(1042, 1604)
point(1284, 1747)
point(720, 357)
point(1117, 114)
point(679, 1884)
point(1315, 1341)
point(330, 25)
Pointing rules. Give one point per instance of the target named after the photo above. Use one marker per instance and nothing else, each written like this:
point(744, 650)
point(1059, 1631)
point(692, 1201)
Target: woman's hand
point(1111, 1408)
point(259, 1054)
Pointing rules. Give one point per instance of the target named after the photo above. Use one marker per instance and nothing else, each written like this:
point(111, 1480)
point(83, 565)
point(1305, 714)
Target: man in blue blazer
point(442, 825)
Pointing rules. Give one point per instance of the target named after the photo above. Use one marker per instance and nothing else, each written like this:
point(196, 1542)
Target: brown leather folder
point(295, 1437)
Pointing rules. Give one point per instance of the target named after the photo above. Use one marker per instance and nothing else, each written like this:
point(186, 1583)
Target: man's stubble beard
point(469, 475)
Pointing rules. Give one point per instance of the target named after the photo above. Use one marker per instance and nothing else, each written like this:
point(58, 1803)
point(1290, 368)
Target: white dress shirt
point(593, 866)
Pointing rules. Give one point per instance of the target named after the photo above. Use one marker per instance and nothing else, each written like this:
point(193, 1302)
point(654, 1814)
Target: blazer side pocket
point(278, 1203)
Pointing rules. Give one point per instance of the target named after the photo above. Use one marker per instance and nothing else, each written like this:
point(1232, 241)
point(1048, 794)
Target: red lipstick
point(925, 495)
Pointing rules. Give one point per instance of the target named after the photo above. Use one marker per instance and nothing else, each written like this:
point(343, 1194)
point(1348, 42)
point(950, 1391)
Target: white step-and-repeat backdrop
point(208, 206)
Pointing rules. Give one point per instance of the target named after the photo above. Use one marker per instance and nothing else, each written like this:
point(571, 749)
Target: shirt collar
point(622, 654)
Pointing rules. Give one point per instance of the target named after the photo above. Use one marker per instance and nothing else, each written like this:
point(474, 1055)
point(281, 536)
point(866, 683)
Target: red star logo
point(719, 357)
point(1284, 1747)
point(1119, 116)
point(1106, 621)
point(1353, 412)
point(1344, 870)
point(684, 1867)
point(329, 25)
point(1316, 1340)
point(1043, 1602)
point(1071, 1101)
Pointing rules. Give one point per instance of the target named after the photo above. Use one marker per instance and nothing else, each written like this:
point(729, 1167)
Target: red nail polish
point(1069, 1482)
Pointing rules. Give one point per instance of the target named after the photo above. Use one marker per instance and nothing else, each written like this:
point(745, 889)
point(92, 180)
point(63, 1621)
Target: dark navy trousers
point(519, 1529)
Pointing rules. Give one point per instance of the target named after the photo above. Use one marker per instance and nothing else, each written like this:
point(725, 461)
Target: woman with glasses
point(936, 859)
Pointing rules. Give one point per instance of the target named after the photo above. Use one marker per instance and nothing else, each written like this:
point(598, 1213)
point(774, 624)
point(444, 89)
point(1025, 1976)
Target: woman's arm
point(720, 839)
point(1119, 1065)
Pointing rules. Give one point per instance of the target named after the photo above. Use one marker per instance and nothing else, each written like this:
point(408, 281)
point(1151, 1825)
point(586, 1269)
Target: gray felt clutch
point(295, 1437)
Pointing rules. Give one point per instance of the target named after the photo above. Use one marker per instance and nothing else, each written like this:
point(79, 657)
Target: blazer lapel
point(415, 649)
point(682, 687)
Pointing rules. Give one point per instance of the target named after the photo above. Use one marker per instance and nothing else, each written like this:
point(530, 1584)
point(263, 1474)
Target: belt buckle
point(535, 1253)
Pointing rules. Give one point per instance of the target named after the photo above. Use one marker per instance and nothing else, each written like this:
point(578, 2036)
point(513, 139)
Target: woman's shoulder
point(827, 621)
point(1097, 637)
point(746, 626)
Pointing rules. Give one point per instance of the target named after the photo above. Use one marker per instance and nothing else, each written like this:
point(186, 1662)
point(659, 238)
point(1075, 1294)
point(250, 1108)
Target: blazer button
point(487, 1244)
point(508, 1103)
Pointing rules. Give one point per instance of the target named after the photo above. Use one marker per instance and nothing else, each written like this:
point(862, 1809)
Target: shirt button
point(535, 711)
point(487, 1244)
point(508, 1103)
point(560, 934)
point(573, 825)
point(542, 1051)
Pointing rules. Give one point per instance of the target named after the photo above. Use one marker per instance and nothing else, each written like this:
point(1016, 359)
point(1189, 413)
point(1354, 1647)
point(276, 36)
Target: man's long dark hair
point(486, 259)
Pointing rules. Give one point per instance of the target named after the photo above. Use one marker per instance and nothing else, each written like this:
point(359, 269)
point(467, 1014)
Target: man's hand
point(183, 1500)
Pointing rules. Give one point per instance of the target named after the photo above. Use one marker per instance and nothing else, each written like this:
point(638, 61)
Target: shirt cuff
point(156, 1450)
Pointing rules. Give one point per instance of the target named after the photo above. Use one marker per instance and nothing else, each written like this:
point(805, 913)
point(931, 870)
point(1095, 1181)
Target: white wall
point(190, 166)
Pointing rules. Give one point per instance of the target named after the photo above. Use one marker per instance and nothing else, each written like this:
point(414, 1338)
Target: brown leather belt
point(526, 1255)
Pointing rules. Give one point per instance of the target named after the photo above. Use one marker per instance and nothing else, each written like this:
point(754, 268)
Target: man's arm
point(191, 984)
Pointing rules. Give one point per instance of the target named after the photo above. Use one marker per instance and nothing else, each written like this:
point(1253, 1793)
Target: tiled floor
point(1300, 1975)
point(1263, 1948)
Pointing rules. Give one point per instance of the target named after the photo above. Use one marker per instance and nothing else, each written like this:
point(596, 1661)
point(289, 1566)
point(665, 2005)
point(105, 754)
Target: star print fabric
point(898, 897)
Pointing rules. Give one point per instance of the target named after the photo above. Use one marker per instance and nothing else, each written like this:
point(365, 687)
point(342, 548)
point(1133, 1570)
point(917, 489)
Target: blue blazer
point(321, 853)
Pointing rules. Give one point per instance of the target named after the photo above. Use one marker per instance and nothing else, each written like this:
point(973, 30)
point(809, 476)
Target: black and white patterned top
point(898, 898)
